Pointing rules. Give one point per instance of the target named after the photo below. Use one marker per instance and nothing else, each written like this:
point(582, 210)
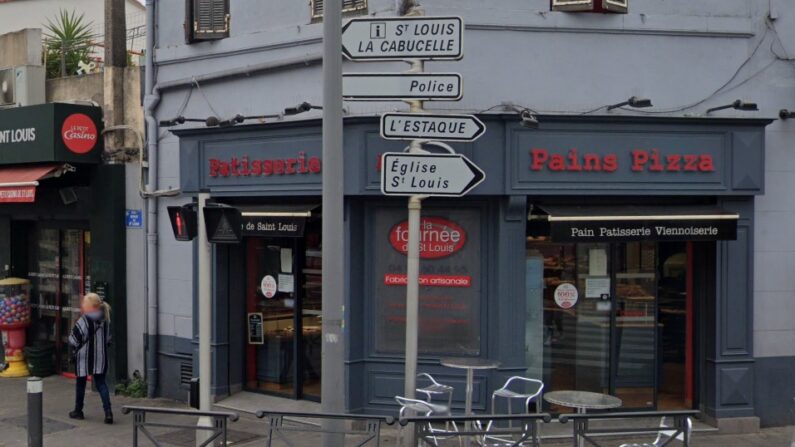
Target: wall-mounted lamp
point(739, 104)
point(301, 108)
point(634, 102)
point(527, 116)
point(786, 114)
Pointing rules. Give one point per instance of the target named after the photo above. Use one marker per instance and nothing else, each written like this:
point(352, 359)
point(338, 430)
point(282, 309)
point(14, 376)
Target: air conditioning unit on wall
point(22, 86)
point(618, 6)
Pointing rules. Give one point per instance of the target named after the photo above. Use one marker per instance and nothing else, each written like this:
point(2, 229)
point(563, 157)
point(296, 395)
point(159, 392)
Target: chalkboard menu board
point(101, 289)
point(255, 334)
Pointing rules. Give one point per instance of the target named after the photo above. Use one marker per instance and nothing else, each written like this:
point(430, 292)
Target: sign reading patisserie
point(246, 166)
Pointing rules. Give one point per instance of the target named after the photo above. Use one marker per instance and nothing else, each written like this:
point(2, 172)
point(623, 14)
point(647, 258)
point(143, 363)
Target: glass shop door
point(58, 268)
point(283, 305)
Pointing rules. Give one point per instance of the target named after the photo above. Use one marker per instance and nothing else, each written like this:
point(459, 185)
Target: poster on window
point(450, 285)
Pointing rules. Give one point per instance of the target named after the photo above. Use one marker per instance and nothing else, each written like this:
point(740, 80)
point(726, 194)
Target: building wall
point(686, 56)
point(18, 14)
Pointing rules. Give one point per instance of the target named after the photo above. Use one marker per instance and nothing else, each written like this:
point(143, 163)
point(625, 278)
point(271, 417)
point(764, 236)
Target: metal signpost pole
point(205, 320)
point(333, 230)
point(413, 265)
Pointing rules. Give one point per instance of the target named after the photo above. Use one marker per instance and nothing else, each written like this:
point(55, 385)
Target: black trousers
point(102, 388)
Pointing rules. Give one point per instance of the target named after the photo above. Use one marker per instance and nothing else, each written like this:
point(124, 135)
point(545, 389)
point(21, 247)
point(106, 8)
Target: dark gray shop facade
point(572, 163)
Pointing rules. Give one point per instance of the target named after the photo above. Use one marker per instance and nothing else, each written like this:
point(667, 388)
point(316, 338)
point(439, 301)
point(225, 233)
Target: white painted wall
point(18, 14)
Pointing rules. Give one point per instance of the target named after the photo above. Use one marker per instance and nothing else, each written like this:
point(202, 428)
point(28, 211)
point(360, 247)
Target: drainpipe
point(151, 100)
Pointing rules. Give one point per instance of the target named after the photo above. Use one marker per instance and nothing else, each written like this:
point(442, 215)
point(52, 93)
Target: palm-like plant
point(68, 40)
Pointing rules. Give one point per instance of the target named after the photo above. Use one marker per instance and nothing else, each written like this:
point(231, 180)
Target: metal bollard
point(35, 401)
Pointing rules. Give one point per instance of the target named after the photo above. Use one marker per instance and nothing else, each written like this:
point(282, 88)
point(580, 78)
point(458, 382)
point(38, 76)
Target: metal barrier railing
point(366, 427)
point(679, 430)
point(216, 432)
point(482, 430)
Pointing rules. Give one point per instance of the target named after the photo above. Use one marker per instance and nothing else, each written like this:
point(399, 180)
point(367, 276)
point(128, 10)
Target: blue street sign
point(134, 218)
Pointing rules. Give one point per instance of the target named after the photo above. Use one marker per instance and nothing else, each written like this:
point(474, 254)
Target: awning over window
point(276, 221)
point(631, 223)
point(18, 183)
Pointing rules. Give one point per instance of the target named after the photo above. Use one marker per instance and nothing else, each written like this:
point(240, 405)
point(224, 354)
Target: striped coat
point(90, 339)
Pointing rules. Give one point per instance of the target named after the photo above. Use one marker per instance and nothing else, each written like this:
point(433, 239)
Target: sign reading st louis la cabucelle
point(390, 38)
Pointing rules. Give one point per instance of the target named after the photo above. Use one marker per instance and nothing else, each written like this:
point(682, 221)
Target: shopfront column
point(728, 385)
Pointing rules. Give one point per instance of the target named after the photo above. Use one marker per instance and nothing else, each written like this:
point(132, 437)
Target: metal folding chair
point(664, 436)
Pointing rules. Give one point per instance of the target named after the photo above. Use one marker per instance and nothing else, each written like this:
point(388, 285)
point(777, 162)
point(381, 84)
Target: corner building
point(632, 252)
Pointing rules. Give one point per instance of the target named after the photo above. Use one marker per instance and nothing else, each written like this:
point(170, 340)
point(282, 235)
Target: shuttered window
point(210, 19)
point(347, 6)
point(617, 6)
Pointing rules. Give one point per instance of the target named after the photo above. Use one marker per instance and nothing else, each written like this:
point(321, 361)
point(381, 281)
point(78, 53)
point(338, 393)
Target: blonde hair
point(96, 301)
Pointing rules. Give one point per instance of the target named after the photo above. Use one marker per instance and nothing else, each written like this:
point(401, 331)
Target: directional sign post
point(390, 38)
point(428, 126)
point(442, 175)
point(401, 86)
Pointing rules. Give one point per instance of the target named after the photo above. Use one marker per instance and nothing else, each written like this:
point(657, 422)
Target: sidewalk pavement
point(248, 431)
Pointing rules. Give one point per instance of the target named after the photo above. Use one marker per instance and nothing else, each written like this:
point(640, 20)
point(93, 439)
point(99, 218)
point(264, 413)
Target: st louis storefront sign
point(51, 133)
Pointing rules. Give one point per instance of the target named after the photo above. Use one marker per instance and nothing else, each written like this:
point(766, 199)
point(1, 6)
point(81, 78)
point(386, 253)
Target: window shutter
point(615, 5)
point(210, 19)
point(573, 5)
point(347, 6)
point(619, 6)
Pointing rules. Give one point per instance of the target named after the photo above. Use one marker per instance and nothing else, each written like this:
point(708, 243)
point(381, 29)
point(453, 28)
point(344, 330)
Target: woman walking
point(90, 339)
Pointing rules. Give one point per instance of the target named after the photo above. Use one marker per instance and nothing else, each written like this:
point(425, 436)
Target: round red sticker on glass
point(79, 133)
point(566, 296)
point(268, 286)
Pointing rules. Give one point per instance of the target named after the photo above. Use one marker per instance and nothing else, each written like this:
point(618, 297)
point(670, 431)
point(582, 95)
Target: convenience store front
point(611, 254)
point(62, 222)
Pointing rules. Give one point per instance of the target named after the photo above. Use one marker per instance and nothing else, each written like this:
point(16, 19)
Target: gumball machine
point(14, 318)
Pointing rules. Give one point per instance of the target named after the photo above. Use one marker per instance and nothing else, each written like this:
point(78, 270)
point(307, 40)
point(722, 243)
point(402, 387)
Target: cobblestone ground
point(248, 431)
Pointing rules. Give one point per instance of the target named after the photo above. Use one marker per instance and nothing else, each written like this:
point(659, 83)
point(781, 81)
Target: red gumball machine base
point(13, 346)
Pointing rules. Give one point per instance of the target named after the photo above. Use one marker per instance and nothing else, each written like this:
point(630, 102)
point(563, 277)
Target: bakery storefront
point(61, 225)
point(610, 254)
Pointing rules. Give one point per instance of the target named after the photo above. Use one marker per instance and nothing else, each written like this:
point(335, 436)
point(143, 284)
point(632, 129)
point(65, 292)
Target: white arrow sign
point(401, 86)
point(405, 174)
point(390, 38)
point(429, 126)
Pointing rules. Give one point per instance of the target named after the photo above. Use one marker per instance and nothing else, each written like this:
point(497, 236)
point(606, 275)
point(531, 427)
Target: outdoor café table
point(470, 364)
point(582, 401)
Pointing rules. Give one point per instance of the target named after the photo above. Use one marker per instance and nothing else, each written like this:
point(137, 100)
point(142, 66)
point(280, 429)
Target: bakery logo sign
point(79, 133)
point(439, 237)
point(246, 166)
point(638, 160)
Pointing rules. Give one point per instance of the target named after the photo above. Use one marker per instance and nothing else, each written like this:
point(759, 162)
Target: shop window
point(450, 276)
point(615, 6)
point(348, 6)
point(207, 20)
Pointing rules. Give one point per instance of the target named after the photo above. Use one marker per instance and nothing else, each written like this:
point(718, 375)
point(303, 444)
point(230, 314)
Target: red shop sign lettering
point(439, 237)
point(79, 133)
point(640, 160)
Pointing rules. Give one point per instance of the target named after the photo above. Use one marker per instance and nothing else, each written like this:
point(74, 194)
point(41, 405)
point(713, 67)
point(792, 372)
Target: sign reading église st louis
point(52, 132)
